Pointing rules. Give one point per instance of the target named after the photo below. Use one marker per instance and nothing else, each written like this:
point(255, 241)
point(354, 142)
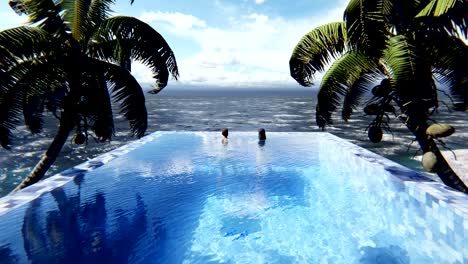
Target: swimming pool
point(183, 197)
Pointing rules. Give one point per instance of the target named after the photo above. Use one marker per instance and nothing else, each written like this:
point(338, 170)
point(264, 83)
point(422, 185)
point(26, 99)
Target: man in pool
point(225, 133)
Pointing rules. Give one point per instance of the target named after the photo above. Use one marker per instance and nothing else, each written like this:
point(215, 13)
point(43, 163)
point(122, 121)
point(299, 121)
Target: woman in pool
point(225, 133)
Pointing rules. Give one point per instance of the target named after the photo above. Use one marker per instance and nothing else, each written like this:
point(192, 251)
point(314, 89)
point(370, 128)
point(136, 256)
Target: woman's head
point(225, 132)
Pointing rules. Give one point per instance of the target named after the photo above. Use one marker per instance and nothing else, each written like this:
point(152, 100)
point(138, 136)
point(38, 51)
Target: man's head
point(261, 134)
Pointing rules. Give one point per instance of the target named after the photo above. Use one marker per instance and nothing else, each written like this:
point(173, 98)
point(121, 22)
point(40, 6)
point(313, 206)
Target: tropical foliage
point(410, 47)
point(75, 62)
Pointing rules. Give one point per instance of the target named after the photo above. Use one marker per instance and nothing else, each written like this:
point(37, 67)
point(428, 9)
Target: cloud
point(10, 19)
point(175, 19)
point(253, 50)
point(259, 1)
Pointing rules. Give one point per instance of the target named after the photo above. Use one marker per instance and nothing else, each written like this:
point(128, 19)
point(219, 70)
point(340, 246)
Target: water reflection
point(6, 256)
point(78, 232)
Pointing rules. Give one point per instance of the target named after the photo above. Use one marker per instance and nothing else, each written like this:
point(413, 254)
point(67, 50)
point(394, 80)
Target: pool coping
point(418, 185)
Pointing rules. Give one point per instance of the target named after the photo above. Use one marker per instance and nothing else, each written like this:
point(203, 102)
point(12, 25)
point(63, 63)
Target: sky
point(230, 43)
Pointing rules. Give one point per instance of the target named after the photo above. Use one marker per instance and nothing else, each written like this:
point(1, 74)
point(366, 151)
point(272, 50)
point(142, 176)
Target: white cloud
point(259, 1)
point(254, 50)
point(10, 19)
point(176, 19)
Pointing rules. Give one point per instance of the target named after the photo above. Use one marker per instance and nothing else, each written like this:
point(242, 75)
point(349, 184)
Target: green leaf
point(10, 111)
point(315, 50)
point(24, 43)
point(76, 16)
point(367, 25)
point(354, 93)
point(438, 7)
point(96, 106)
point(341, 76)
point(128, 92)
point(46, 14)
point(120, 38)
point(401, 59)
point(449, 61)
point(99, 11)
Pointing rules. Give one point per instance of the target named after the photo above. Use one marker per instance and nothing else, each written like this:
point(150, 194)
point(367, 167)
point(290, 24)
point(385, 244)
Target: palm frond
point(46, 14)
point(33, 108)
point(410, 74)
point(76, 16)
point(31, 81)
point(54, 99)
point(11, 96)
point(444, 16)
point(120, 38)
point(449, 61)
point(97, 106)
point(315, 50)
point(10, 111)
point(354, 93)
point(99, 11)
point(367, 25)
point(438, 7)
point(401, 59)
point(128, 92)
point(342, 75)
point(35, 86)
point(24, 43)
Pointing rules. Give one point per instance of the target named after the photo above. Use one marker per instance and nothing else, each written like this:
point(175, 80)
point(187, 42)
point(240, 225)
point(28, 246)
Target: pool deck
point(460, 164)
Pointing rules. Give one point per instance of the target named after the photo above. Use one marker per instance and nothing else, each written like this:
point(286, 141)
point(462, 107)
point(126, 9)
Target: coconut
point(79, 138)
point(372, 109)
point(375, 134)
point(380, 90)
point(376, 91)
point(385, 83)
point(429, 161)
point(440, 130)
point(389, 108)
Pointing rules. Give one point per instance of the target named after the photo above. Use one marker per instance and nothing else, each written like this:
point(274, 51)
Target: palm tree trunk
point(65, 127)
point(444, 171)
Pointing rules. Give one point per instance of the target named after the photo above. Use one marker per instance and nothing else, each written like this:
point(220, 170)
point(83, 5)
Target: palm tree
point(408, 45)
point(75, 62)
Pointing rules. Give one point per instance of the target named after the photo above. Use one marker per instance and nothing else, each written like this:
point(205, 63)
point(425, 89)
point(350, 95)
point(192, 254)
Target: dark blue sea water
point(202, 110)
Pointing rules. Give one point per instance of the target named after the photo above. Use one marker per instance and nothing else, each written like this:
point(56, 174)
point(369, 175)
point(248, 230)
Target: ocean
point(203, 110)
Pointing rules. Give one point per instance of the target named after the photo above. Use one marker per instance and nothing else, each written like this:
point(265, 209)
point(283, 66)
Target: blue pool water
point(187, 198)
